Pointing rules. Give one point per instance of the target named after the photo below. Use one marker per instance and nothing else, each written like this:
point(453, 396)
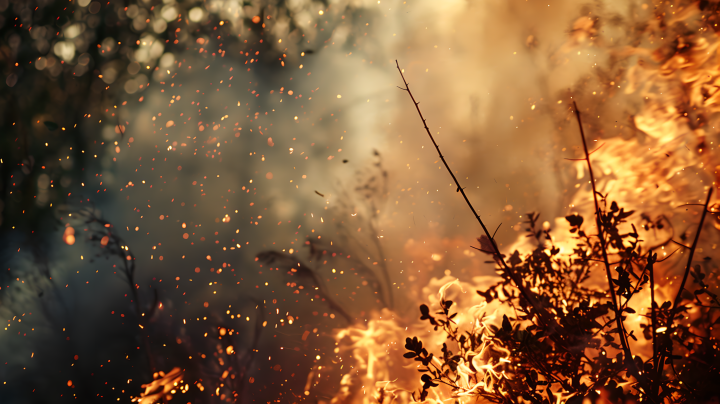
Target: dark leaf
point(515, 259)
point(425, 312)
point(486, 245)
point(488, 295)
point(574, 220)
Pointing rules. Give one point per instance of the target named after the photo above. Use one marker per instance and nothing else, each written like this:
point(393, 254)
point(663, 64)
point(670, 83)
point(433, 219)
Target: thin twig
point(692, 252)
point(690, 204)
point(589, 154)
point(676, 303)
point(498, 256)
point(601, 233)
point(498, 228)
point(671, 254)
point(680, 244)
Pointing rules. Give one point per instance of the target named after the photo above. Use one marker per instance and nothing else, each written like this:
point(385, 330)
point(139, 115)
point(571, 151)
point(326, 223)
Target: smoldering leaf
point(486, 245)
point(515, 259)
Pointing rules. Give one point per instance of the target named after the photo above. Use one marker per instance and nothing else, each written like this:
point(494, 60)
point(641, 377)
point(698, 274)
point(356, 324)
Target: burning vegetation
point(567, 339)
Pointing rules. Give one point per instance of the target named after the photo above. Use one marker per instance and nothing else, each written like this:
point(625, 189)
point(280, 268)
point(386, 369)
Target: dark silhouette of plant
point(303, 273)
point(361, 204)
point(112, 246)
point(226, 369)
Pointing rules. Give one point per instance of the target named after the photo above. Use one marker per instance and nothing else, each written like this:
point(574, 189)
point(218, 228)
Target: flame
point(162, 388)
point(370, 347)
point(375, 349)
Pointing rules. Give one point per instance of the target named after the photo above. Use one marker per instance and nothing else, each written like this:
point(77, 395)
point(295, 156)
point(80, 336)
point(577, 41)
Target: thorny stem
point(498, 257)
point(676, 304)
point(601, 234)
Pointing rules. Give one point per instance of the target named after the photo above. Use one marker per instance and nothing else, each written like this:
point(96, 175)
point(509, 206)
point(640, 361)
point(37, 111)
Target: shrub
point(564, 339)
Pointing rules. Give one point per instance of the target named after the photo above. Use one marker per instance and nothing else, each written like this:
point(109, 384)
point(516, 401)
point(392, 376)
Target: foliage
point(568, 345)
point(361, 205)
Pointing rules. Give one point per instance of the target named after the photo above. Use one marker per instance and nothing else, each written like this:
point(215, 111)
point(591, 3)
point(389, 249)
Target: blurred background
point(220, 186)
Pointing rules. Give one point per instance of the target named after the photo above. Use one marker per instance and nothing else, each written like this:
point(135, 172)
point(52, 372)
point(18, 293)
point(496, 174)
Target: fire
point(670, 161)
point(162, 388)
point(377, 358)
point(375, 350)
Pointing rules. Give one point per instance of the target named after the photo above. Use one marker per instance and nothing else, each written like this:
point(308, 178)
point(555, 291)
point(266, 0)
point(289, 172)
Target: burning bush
point(562, 337)
point(567, 340)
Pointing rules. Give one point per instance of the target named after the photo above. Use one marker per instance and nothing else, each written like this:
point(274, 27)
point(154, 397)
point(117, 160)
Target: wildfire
point(670, 161)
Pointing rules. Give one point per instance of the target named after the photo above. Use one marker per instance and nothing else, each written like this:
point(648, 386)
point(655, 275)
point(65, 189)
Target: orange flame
point(163, 387)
